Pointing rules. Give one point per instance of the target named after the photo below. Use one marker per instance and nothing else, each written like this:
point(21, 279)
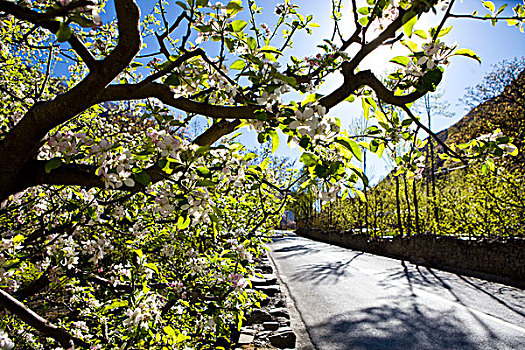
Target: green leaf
point(410, 44)
point(181, 338)
point(183, 222)
point(361, 195)
point(260, 114)
point(363, 21)
point(490, 164)
point(252, 43)
point(18, 238)
point(409, 20)
point(264, 164)
point(238, 65)
point(275, 140)
point(172, 80)
point(234, 7)
point(271, 49)
point(489, 5)
point(52, 164)
point(249, 156)
point(364, 10)
point(238, 25)
point(169, 331)
point(311, 98)
point(420, 33)
point(203, 171)
point(114, 305)
point(143, 178)
point(350, 98)
point(366, 108)
point(138, 252)
point(467, 53)
point(153, 267)
point(308, 159)
point(402, 60)
point(351, 145)
point(183, 5)
point(431, 79)
point(64, 33)
point(500, 10)
point(444, 31)
point(288, 80)
point(205, 183)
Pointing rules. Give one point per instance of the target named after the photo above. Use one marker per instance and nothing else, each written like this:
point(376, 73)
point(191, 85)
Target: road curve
point(354, 300)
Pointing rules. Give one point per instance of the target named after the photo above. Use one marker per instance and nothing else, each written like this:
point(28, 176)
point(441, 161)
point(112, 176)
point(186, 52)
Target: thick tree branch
point(352, 82)
point(216, 131)
point(74, 175)
point(366, 77)
point(23, 141)
point(124, 92)
point(48, 329)
point(388, 33)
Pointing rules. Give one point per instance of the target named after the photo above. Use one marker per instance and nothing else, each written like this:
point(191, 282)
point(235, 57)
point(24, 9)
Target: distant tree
point(501, 99)
point(503, 74)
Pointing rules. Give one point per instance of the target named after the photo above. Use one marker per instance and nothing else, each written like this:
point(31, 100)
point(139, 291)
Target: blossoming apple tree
point(122, 228)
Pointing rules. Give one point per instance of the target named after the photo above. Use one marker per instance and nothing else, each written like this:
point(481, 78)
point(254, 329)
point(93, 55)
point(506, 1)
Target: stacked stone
point(269, 326)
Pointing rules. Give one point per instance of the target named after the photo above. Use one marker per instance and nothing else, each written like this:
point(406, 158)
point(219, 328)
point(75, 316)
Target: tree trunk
point(416, 206)
point(398, 208)
point(409, 217)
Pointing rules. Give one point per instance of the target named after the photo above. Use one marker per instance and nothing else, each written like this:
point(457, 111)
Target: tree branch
point(352, 82)
point(45, 20)
point(447, 149)
point(124, 92)
point(216, 131)
point(23, 141)
point(48, 329)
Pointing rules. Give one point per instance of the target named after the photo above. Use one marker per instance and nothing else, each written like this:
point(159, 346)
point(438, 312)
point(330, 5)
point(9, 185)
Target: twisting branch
point(126, 92)
point(168, 31)
point(354, 11)
point(48, 329)
point(23, 141)
point(352, 82)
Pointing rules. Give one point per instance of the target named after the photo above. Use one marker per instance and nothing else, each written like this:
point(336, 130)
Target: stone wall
point(500, 261)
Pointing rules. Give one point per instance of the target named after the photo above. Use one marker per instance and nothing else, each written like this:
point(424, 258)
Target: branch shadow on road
point(322, 273)
point(295, 250)
point(457, 286)
point(393, 327)
point(495, 293)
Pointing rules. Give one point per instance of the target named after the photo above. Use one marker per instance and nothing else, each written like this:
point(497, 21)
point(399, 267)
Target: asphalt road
point(354, 300)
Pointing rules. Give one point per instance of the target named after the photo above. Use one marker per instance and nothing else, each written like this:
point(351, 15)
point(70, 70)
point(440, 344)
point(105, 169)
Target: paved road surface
point(353, 300)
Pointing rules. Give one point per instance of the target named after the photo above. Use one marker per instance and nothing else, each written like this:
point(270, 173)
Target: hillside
point(505, 111)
